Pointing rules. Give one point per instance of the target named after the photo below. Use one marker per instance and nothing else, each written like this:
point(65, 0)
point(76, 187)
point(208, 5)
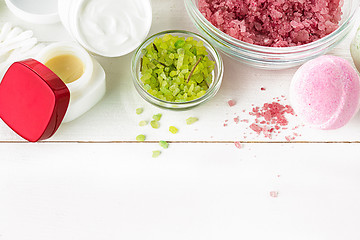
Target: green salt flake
point(155, 124)
point(139, 111)
point(173, 129)
point(157, 117)
point(191, 120)
point(140, 138)
point(167, 37)
point(179, 43)
point(163, 45)
point(156, 153)
point(147, 87)
point(163, 75)
point(142, 123)
point(163, 144)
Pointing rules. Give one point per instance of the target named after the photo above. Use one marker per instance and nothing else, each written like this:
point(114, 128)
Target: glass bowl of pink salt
point(176, 70)
point(273, 34)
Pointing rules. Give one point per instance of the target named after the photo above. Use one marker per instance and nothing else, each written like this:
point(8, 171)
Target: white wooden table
point(92, 180)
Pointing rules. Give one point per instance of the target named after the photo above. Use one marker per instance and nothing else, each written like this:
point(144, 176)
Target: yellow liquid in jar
point(69, 68)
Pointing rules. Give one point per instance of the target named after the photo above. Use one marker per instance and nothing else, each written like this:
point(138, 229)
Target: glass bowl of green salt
point(177, 70)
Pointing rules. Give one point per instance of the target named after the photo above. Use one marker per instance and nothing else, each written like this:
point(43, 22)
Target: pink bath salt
point(289, 109)
point(274, 194)
point(270, 117)
point(274, 23)
point(256, 128)
point(291, 138)
point(267, 132)
point(236, 120)
point(231, 103)
point(238, 145)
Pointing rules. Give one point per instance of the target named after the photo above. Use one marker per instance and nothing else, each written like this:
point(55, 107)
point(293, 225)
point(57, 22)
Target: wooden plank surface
point(192, 191)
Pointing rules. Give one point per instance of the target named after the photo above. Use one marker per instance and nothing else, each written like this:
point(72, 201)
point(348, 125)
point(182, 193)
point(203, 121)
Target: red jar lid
point(33, 100)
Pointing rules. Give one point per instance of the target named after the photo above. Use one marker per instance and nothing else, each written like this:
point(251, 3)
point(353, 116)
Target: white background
point(92, 180)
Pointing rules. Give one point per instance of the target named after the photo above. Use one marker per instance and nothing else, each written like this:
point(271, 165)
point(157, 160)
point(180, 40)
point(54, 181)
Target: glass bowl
point(213, 55)
point(272, 57)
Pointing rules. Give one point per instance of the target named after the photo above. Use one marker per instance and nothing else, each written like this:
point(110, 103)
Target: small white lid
point(35, 11)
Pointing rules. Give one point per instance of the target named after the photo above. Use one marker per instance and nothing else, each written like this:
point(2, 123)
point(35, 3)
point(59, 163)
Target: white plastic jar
point(109, 28)
point(89, 88)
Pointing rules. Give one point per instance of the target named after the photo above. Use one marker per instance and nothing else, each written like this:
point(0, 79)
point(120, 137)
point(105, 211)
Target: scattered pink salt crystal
point(274, 194)
point(232, 103)
point(289, 138)
point(269, 117)
point(238, 145)
point(256, 128)
point(236, 120)
point(267, 132)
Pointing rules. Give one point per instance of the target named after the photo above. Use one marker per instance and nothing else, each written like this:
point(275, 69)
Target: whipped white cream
point(113, 27)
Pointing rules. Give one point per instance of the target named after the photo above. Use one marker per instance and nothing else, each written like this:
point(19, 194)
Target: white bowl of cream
point(109, 28)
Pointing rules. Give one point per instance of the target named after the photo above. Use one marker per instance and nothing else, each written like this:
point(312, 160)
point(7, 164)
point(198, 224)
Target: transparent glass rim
point(213, 88)
point(191, 5)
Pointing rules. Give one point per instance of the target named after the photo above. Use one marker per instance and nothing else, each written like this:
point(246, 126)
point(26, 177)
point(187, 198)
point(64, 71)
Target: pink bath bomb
point(325, 92)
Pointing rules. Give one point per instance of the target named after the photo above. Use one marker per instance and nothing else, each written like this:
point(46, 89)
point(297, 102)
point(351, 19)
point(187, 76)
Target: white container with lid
point(88, 88)
point(109, 28)
point(82, 74)
point(36, 96)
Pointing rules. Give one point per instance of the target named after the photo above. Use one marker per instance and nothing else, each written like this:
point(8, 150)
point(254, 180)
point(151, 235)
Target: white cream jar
point(83, 76)
point(109, 28)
